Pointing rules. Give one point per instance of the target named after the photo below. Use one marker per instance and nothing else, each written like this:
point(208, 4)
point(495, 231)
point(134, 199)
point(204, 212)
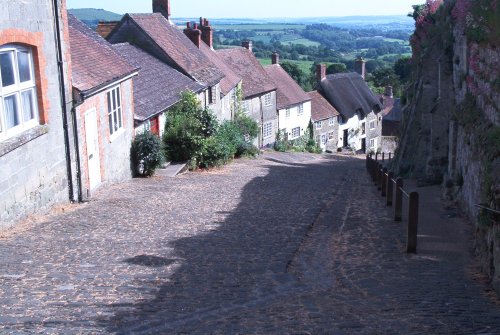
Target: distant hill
point(92, 16)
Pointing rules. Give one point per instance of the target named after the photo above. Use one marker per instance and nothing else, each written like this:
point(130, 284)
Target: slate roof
point(321, 109)
point(391, 109)
point(288, 92)
point(158, 86)
point(256, 81)
point(231, 79)
point(94, 62)
point(349, 93)
point(177, 46)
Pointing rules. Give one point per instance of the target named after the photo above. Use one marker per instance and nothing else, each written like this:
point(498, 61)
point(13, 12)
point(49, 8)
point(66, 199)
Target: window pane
point(23, 61)
point(114, 99)
point(119, 117)
point(11, 111)
point(118, 97)
point(110, 120)
point(7, 69)
point(28, 106)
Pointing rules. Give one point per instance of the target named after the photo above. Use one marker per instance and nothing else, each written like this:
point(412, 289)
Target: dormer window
point(18, 101)
point(268, 100)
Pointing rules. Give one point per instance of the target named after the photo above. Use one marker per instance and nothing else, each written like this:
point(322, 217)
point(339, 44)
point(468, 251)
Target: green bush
point(146, 154)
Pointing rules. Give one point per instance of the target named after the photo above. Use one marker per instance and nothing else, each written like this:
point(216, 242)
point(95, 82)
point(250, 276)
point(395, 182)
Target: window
point(300, 110)
point(245, 107)
point(18, 101)
point(211, 95)
point(331, 121)
point(372, 143)
point(323, 139)
point(295, 132)
point(267, 130)
point(331, 135)
point(318, 124)
point(372, 124)
point(341, 119)
point(287, 112)
point(363, 128)
point(114, 110)
point(267, 99)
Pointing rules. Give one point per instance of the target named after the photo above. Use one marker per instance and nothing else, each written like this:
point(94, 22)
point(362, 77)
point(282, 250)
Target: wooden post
point(411, 243)
point(376, 156)
point(383, 157)
point(384, 182)
point(390, 189)
point(390, 155)
point(380, 177)
point(398, 209)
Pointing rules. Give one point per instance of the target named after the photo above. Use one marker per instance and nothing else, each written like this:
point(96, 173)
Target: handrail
point(488, 209)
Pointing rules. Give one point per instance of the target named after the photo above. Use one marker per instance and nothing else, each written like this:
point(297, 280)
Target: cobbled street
point(283, 244)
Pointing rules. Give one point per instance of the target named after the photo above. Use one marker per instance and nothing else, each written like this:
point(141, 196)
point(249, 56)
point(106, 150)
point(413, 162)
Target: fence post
point(384, 182)
point(390, 188)
point(383, 157)
point(398, 208)
point(390, 155)
point(376, 156)
point(380, 177)
point(411, 244)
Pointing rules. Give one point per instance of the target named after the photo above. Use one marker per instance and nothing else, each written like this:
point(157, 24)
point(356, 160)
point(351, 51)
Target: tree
point(336, 68)
point(402, 68)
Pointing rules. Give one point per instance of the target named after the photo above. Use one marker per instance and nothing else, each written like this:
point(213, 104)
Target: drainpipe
point(77, 153)
point(62, 91)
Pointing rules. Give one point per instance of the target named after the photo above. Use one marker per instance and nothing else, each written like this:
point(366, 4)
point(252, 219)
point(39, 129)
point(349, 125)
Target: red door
point(155, 126)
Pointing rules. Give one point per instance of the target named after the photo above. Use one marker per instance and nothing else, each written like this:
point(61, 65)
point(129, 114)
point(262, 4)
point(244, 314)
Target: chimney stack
point(389, 92)
point(193, 33)
point(162, 7)
point(360, 67)
point(247, 45)
point(275, 58)
point(320, 72)
point(207, 33)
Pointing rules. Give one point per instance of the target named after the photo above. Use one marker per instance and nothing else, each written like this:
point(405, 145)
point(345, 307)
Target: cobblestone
point(284, 244)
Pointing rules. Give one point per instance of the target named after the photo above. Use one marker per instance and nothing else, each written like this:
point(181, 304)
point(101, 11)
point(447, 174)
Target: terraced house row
point(72, 100)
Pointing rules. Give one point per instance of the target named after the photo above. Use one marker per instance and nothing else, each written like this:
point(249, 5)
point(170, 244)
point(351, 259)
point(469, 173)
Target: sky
point(256, 8)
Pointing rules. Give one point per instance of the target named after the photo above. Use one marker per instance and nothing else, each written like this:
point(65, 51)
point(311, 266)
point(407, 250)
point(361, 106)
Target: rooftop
point(288, 92)
point(321, 109)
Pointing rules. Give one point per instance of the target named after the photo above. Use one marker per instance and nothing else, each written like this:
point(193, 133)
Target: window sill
point(116, 135)
point(17, 141)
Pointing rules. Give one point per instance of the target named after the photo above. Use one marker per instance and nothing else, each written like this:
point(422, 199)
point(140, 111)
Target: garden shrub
point(146, 154)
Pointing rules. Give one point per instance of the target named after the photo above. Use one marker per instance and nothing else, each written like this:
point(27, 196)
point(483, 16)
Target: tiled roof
point(349, 94)
point(288, 92)
point(231, 79)
point(158, 86)
point(178, 47)
point(94, 62)
point(391, 109)
point(105, 27)
point(321, 109)
point(255, 79)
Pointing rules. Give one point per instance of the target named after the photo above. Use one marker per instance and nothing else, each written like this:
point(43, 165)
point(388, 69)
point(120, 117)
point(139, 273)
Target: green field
point(304, 65)
point(260, 27)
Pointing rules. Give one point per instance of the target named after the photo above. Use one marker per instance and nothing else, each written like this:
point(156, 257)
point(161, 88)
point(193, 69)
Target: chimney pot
point(247, 45)
point(196, 26)
point(275, 58)
point(194, 35)
point(320, 72)
point(162, 7)
point(188, 25)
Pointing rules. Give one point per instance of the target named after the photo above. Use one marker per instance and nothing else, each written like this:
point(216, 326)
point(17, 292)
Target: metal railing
point(394, 192)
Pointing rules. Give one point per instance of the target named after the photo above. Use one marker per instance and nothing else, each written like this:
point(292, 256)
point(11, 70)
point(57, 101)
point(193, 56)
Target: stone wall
point(33, 164)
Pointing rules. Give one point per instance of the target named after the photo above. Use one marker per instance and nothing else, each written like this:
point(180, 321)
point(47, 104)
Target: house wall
point(262, 114)
point(330, 131)
point(388, 144)
point(286, 124)
point(356, 129)
point(33, 164)
point(114, 151)
point(229, 106)
point(375, 133)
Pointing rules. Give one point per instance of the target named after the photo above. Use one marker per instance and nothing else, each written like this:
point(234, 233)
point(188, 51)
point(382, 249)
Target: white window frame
point(324, 139)
point(16, 90)
point(268, 100)
point(300, 110)
point(331, 121)
point(318, 124)
point(287, 112)
point(372, 124)
point(115, 112)
point(267, 130)
point(295, 133)
point(373, 143)
point(331, 135)
point(245, 106)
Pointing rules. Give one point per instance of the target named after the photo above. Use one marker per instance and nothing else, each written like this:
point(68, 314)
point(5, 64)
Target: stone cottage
point(35, 109)
point(202, 37)
point(324, 118)
point(157, 35)
point(104, 107)
point(353, 99)
point(292, 103)
point(259, 91)
point(157, 88)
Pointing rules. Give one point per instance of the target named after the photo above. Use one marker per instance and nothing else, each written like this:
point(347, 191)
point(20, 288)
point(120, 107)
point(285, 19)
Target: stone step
point(172, 169)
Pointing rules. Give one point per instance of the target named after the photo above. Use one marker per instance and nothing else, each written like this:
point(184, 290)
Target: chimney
point(320, 72)
point(162, 7)
point(247, 45)
point(275, 58)
point(389, 92)
point(194, 34)
point(360, 67)
point(207, 33)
